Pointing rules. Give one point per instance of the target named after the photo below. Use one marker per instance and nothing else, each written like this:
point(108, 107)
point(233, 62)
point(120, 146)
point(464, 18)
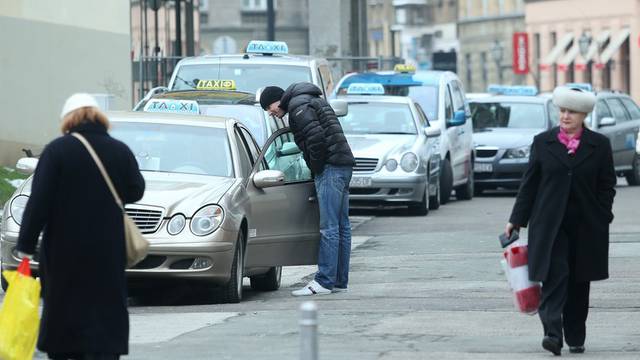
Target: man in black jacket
point(318, 133)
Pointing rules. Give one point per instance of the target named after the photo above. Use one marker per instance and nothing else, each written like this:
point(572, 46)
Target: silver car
point(396, 150)
point(214, 210)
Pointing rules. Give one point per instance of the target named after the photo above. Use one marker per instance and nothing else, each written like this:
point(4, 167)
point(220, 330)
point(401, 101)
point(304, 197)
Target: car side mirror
point(289, 148)
point(268, 178)
point(27, 166)
point(340, 107)
point(607, 121)
point(459, 118)
point(432, 132)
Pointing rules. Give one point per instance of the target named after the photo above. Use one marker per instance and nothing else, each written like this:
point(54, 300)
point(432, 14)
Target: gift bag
point(526, 294)
point(19, 314)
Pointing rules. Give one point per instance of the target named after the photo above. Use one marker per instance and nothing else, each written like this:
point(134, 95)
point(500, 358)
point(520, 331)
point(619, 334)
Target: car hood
point(183, 193)
point(505, 138)
point(379, 145)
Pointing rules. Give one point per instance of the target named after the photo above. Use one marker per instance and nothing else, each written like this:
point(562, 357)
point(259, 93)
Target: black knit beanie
point(269, 95)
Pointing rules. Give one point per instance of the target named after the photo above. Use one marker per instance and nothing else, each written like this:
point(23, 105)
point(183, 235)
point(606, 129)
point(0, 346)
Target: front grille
point(150, 262)
point(486, 153)
point(363, 191)
point(146, 219)
point(365, 164)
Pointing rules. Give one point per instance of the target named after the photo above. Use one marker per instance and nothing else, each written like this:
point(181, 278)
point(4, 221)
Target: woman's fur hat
point(574, 99)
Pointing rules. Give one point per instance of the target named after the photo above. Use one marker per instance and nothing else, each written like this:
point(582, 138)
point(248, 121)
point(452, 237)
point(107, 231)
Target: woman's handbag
point(526, 293)
point(137, 246)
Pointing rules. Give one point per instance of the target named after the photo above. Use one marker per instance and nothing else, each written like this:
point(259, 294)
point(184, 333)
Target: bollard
point(308, 331)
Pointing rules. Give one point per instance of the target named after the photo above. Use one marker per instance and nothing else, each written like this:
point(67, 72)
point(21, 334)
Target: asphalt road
point(421, 288)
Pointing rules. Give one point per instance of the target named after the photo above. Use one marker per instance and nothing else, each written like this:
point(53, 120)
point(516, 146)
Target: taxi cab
point(395, 148)
point(441, 97)
point(265, 63)
point(217, 207)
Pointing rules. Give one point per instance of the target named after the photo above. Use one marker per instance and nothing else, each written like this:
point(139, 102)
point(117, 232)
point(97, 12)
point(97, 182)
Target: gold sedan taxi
point(214, 210)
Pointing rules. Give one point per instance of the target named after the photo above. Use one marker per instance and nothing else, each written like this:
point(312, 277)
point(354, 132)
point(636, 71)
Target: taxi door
point(284, 220)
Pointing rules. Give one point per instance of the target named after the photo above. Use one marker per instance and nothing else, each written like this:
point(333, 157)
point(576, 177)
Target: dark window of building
point(467, 65)
point(484, 68)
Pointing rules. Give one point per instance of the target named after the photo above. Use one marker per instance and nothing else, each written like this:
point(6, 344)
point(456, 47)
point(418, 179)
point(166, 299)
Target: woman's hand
point(509, 228)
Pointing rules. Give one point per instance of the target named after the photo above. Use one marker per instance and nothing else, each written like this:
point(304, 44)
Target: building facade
point(58, 52)
point(585, 41)
point(486, 29)
point(428, 32)
point(383, 40)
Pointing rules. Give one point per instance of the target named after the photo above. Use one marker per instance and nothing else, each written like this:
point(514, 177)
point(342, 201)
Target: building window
point(485, 68)
point(554, 72)
point(467, 61)
point(256, 5)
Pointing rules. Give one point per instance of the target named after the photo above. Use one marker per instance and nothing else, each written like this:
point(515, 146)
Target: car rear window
point(177, 148)
point(378, 118)
point(248, 77)
point(507, 115)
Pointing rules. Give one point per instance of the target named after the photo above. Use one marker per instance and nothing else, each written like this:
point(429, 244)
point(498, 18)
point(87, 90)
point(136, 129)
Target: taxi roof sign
point(512, 90)
point(267, 47)
point(365, 89)
point(404, 68)
point(172, 106)
point(216, 85)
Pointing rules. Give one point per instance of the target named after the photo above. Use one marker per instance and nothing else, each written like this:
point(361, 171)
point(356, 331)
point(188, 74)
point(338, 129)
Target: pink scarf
point(571, 143)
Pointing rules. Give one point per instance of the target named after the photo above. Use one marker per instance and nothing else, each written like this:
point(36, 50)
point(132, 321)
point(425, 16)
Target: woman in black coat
point(82, 254)
point(566, 197)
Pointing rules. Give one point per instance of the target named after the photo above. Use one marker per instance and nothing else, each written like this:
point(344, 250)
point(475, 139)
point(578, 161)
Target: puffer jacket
point(316, 129)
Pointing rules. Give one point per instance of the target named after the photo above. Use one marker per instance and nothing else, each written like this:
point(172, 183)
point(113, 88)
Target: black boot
point(552, 344)
point(576, 349)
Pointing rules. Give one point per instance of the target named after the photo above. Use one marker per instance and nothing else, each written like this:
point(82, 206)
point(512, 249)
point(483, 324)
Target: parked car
point(203, 97)
point(441, 97)
point(216, 208)
point(503, 130)
point(617, 116)
point(396, 152)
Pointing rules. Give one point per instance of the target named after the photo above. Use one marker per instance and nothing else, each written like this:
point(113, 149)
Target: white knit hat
point(574, 99)
point(77, 101)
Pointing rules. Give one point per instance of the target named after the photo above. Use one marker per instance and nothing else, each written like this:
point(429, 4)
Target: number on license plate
point(360, 182)
point(482, 167)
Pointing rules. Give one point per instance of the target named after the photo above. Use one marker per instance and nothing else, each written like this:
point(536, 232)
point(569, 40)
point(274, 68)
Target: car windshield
point(248, 77)
point(426, 96)
point(378, 118)
point(177, 148)
point(252, 117)
point(507, 115)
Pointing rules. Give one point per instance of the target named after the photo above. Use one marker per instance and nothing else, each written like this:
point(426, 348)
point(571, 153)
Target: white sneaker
point(339, 290)
point(312, 288)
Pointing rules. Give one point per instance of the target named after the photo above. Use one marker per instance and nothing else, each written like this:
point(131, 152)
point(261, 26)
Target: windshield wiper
point(193, 86)
point(395, 133)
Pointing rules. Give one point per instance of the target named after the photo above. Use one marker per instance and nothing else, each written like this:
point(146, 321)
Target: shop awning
point(614, 45)
point(592, 53)
point(557, 51)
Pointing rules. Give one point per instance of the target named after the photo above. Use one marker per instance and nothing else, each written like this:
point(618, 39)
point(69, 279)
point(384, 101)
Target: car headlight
point(206, 220)
point(518, 153)
point(176, 224)
point(409, 162)
point(391, 165)
point(16, 209)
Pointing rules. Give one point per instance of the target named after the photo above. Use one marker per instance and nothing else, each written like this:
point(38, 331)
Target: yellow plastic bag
point(19, 314)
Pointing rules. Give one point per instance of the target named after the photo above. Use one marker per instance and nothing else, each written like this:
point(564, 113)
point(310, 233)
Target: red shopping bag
point(526, 293)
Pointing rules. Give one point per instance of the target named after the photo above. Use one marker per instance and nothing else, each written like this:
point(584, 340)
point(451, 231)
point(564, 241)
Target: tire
point(465, 192)
point(477, 190)
point(232, 291)
point(421, 208)
point(269, 281)
point(434, 201)
point(446, 181)
point(633, 176)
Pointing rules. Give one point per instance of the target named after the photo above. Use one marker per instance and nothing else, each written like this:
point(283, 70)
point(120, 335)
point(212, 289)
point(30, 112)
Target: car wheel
point(477, 190)
point(633, 176)
point(421, 208)
point(446, 181)
point(434, 201)
point(465, 192)
point(269, 281)
point(232, 291)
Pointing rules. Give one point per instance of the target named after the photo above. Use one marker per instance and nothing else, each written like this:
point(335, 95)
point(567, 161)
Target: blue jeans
point(332, 188)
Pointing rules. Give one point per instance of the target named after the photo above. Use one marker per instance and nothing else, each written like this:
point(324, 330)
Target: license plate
point(482, 167)
point(360, 181)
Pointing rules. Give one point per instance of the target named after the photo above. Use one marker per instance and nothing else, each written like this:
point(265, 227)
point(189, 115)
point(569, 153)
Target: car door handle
point(313, 199)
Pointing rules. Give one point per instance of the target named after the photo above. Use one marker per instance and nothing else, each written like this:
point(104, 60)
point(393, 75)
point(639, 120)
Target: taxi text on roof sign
point(172, 106)
point(216, 85)
point(405, 68)
point(365, 89)
point(512, 90)
point(267, 47)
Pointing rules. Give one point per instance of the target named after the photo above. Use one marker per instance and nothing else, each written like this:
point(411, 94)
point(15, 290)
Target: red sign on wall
point(520, 53)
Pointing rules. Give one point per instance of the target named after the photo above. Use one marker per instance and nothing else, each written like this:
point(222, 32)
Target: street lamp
point(497, 53)
point(584, 42)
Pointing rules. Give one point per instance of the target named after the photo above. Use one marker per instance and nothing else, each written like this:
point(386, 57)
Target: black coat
point(542, 201)
point(316, 129)
point(82, 255)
